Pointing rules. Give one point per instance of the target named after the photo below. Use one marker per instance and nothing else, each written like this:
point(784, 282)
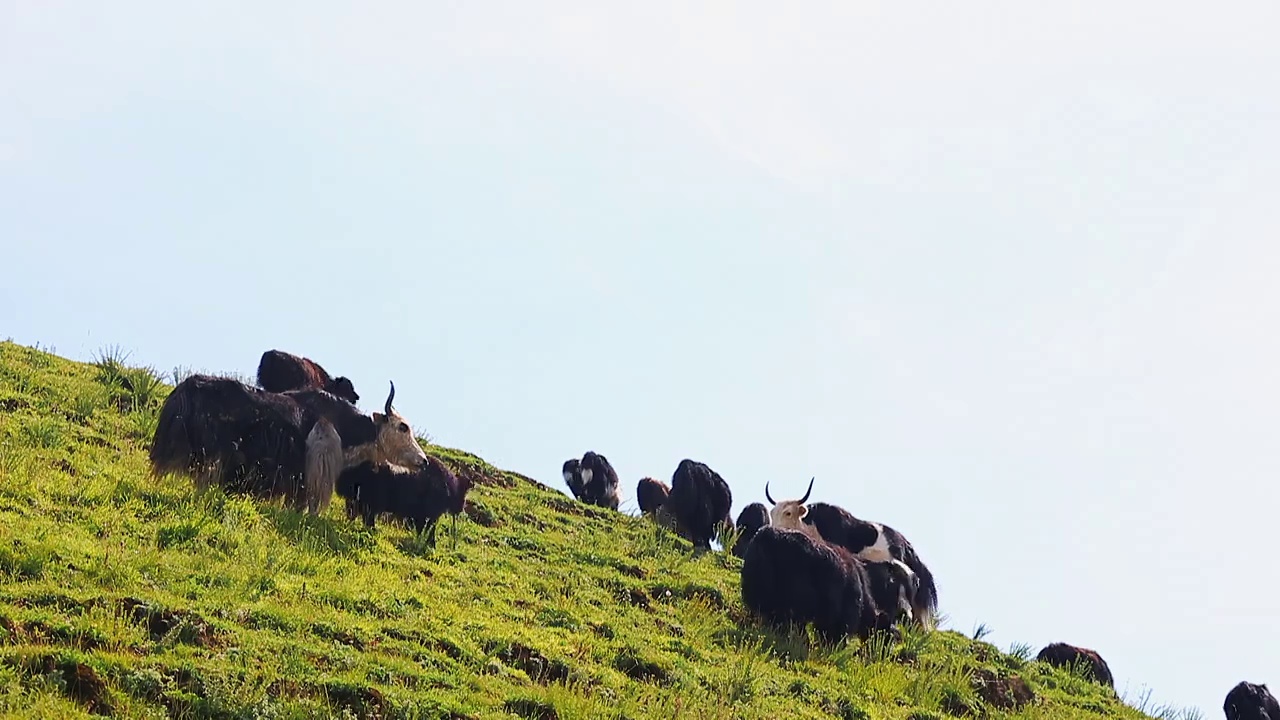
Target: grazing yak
point(599, 480)
point(1064, 655)
point(752, 518)
point(592, 480)
point(273, 445)
point(279, 371)
point(868, 540)
point(420, 495)
point(1251, 701)
point(651, 495)
point(789, 578)
point(699, 503)
point(572, 472)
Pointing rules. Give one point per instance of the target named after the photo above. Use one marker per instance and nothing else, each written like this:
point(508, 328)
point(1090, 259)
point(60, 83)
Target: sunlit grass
point(130, 596)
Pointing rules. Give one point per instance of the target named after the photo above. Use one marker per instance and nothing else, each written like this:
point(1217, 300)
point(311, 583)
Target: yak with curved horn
point(869, 541)
point(218, 430)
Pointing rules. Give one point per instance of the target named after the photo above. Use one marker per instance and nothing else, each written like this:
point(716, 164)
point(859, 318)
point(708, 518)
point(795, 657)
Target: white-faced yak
point(868, 540)
point(699, 502)
point(592, 480)
point(790, 578)
point(279, 371)
point(273, 445)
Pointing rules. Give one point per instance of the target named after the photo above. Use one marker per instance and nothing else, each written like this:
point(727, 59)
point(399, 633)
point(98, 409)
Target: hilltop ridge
point(127, 596)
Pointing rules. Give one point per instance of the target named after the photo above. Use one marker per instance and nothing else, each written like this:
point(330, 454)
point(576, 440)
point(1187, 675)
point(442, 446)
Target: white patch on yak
point(568, 477)
point(586, 475)
point(879, 550)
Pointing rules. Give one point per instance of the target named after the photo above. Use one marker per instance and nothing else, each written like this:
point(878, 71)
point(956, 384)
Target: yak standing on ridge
point(699, 503)
point(1064, 655)
point(1251, 701)
point(599, 480)
point(868, 540)
point(789, 578)
point(592, 480)
point(279, 371)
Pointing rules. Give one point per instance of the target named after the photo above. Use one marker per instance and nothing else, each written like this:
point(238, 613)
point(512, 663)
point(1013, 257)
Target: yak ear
point(804, 510)
point(379, 418)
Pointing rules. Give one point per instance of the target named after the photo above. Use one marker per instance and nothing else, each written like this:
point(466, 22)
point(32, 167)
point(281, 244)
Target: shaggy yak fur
point(699, 502)
point(420, 496)
point(1251, 701)
point(293, 445)
point(790, 578)
point(870, 541)
point(279, 371)
point(1064, 655)
point(752, 518)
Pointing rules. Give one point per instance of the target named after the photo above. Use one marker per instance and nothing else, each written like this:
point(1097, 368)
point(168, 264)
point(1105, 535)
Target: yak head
point(788, 514)
point(343, 388)
point(396, 443)
point(572, 471)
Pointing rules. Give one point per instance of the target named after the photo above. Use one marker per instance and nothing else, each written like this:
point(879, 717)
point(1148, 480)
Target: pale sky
point(999, 275)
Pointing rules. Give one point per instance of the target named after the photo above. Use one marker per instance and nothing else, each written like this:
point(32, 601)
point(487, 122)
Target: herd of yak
point(298, 436)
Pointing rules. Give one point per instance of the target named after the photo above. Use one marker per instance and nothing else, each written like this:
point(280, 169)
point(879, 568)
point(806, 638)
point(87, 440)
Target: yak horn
point(768, 496)
point(806, 492)
point(390, 397)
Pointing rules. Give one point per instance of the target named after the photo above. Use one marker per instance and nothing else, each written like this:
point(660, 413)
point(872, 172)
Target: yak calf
point(420, 495)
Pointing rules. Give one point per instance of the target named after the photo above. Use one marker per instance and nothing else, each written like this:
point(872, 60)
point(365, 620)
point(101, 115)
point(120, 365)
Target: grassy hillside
point(125, 596)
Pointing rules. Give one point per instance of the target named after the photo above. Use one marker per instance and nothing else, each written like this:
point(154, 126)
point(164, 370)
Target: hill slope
point(131, 597)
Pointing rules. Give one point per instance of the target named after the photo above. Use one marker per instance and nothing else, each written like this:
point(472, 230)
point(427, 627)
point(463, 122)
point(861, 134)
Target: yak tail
point(173, 449)
point(323, 465)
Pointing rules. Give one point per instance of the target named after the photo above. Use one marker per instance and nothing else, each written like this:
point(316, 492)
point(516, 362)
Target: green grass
point(133, 597)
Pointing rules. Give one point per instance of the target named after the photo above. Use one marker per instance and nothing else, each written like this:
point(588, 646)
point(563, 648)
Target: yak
point(572, 472)
point(600, 481)
point(1251, 701)
point(288, 445)
point(279, 371)
point(868, 540)
point(699, 503)
point(651, 494)
point(752, 518)
point(1064, 655)
point(420, 495)
point(790, 578)
point(592, 480)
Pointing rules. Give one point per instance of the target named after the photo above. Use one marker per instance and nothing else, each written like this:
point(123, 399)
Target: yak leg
point(323, 465)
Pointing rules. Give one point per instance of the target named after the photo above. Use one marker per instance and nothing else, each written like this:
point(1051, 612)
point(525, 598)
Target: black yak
point(750, 520)
point(699, 502)
point(592, 480)
point(600, 480)
point(289, 445)
point(420, 495)
point(1251, 701)
point(572, 472)
point(279, 371)
point(868, 540)
point(1064, 655)
point(789, 578)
